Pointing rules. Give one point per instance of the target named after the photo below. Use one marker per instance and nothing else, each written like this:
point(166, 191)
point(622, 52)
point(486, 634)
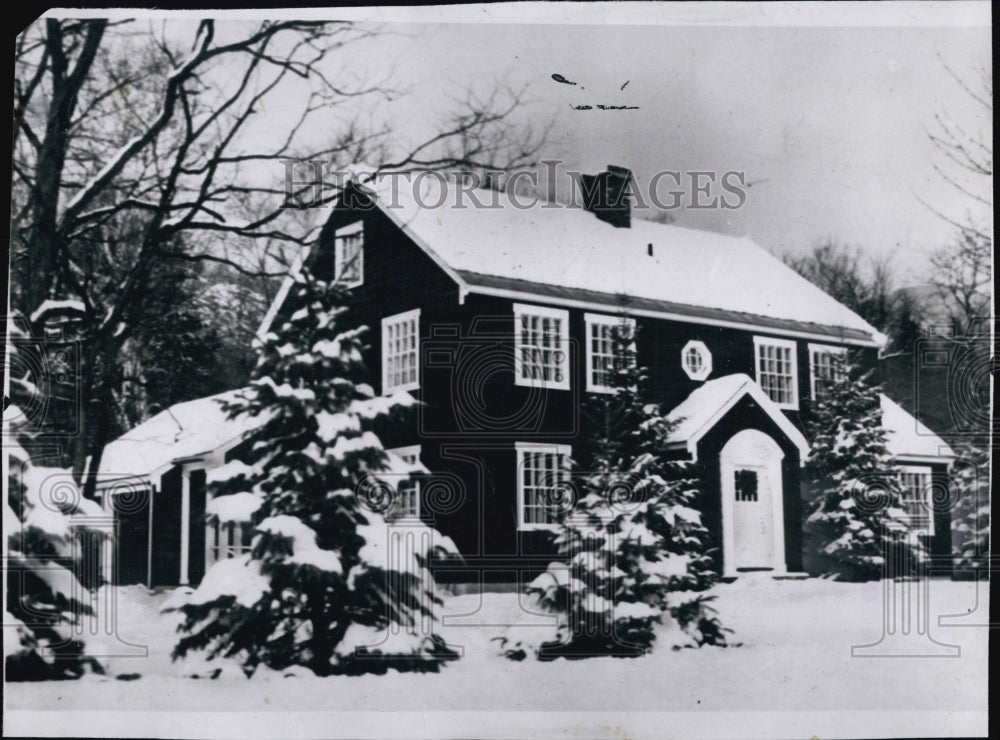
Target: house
point(499, 320)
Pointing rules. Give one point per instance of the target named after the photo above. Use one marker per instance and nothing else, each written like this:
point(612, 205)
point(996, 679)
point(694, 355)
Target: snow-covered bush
point(855, 519)
point(633, 565)
point(44, 511)
point(327, 583)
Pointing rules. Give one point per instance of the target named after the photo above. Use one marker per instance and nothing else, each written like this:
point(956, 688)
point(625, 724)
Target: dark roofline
point(491, 284)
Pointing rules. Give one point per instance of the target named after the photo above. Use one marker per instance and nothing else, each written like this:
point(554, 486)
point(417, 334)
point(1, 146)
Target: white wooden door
point(753, 520)
point(753, 535)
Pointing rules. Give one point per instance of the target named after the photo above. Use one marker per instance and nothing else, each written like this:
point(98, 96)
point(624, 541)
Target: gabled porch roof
point(707, 405)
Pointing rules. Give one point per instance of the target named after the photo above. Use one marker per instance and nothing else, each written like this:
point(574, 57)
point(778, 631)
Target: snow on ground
point(795, 654)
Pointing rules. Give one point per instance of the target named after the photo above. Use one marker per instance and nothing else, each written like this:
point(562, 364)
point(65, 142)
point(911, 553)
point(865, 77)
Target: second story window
point(777, 370)
point(602, 348)
point(400, 340)
point(349, 255)
point(541, 347)
point(825, 368)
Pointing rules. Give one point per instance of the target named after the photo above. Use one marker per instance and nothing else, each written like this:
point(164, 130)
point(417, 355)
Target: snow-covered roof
point(566, 254)
point(706, 405)
point(186, 430)
point(196, 429)
point(909, 440)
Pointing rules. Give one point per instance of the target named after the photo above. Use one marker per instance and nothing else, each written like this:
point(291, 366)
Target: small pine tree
point(631, 548)
point(856, 514)
point(45, 601)
point(326, 578)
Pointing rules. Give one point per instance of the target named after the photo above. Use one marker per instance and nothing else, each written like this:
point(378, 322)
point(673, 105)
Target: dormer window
point(349, 255)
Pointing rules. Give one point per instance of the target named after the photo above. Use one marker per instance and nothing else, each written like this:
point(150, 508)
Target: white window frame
point(414, 452)
point(388, 321)
point(598, 319)
point(225, 530)
point(928, 493)
point(815, 349)
point(791, 344)
point(522, 449)
point(523, 309)
point(339, 258)
point(706, 360)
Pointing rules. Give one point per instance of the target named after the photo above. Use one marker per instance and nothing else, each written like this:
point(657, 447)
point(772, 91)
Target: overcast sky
point(829, 123)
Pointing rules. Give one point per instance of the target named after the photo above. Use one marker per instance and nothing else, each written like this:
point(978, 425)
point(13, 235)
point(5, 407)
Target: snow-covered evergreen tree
point(632, 553)
point(328, 584)
point(856, 515)
point(971, 515)
point(44, 509)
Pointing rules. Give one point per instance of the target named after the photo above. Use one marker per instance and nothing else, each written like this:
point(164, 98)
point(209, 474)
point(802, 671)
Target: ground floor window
point(916, 481)
point(407, 502)
point(541, 476)
point(227, 540)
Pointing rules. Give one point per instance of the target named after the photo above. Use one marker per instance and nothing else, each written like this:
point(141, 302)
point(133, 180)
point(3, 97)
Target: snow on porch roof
point(907, 440)
point(689, 273)
point(705, 406)
point(184, 431)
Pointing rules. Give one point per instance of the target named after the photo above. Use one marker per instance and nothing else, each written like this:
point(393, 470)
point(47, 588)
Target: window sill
point(541, 384)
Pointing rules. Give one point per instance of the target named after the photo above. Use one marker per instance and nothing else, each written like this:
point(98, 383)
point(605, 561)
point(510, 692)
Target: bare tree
point(135, 146)
point(963, 281)
point(963, 269)
point(865, 285)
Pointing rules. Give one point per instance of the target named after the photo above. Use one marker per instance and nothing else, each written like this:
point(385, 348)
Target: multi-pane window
point(696, 360)
point(349, 255)
point(604, 353)
point(407, 504)
point(541, 478)
point(746, 485)
point(777, 370)
point(541, 347)
point(916, 482)
point(825, 368)
point(227, 540)
point(400, 339)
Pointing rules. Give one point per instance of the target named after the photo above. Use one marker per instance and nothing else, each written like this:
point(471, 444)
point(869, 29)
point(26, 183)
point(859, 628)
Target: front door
point(753, 520)
point(752, 504)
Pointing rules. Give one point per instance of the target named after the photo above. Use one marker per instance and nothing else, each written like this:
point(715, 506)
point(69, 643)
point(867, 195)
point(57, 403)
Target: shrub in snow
point(633, 561)
point(326, 584)
point(855, 519)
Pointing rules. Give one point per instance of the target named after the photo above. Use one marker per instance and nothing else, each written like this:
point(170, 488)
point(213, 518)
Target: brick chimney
point(606, 196)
